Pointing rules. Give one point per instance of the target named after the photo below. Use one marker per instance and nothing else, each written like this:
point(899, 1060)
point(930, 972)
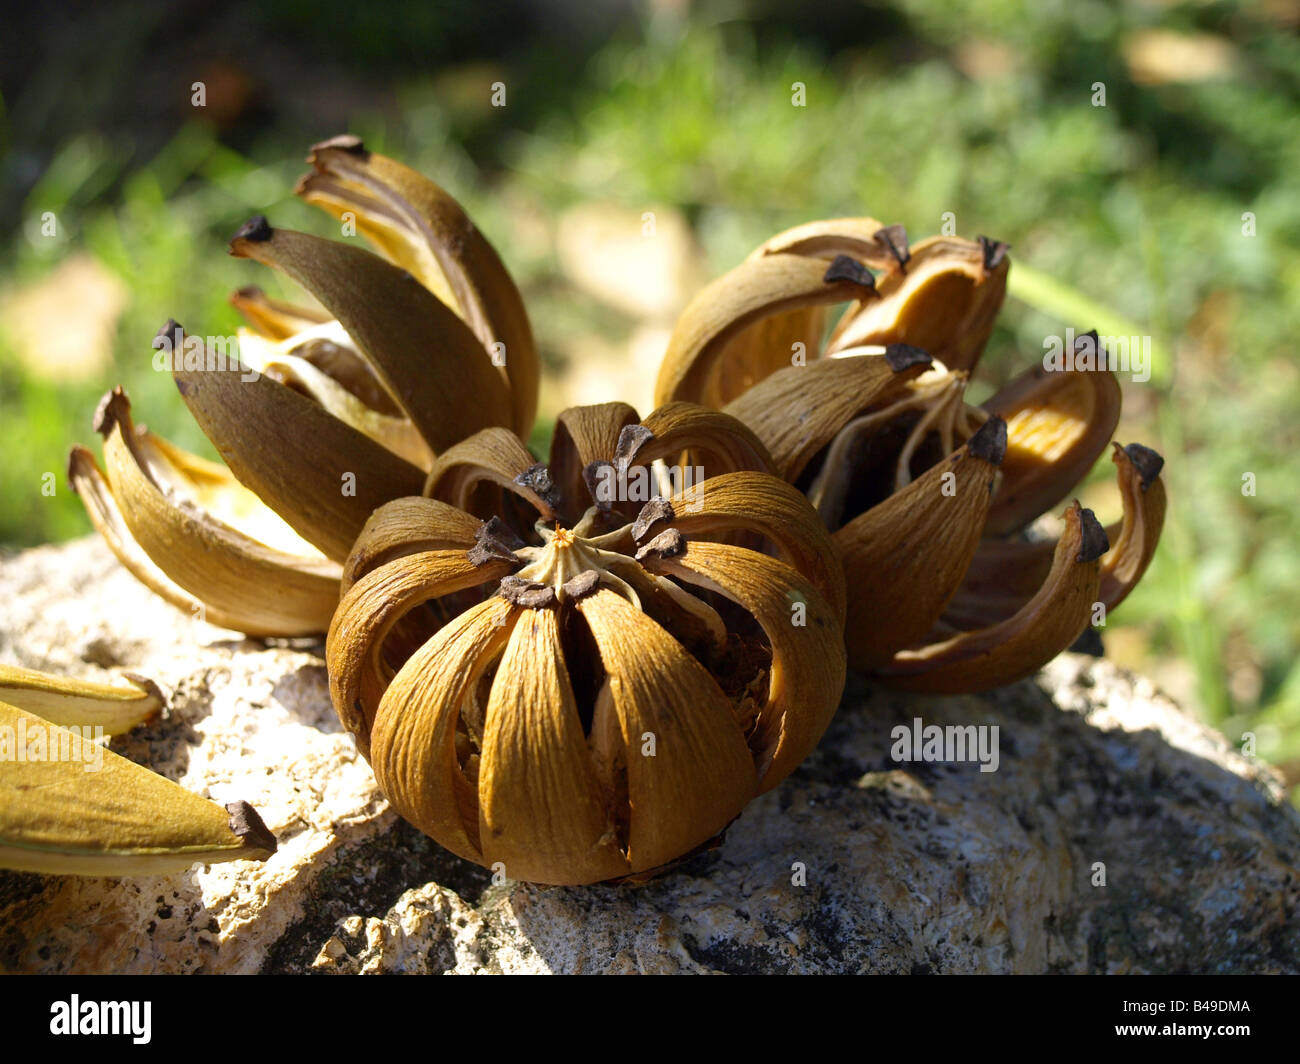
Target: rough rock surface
point(920, 867)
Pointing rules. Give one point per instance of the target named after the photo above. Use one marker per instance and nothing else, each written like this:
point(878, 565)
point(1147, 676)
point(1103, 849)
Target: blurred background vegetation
point(1173, 210)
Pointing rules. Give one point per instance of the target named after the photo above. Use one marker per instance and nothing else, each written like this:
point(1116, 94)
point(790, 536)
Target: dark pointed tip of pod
point(1148, 463)
point(537, 479)
point(1089, 642)
point(348, 142)
point(994, 252)
point(990, 441)
point(495, 528)
point(665, 545)
point(245, 823)
point(71, 468)
point(847, 268)
point(905, 356)
point(171, 331)
point(147, 685)
point(496, 541)
point(256, 229)
point(1088, 341)
point(592, 477)
point(630, 440)
point(656, 510)
point(106, 412)
point(894, 238)
point(484, 552)
point(529, 593)
point(1093, 542)
point(582, 584)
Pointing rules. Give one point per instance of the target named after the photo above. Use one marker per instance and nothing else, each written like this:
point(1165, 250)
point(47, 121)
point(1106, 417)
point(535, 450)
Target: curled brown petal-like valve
point(319, 415)
point(926, 496)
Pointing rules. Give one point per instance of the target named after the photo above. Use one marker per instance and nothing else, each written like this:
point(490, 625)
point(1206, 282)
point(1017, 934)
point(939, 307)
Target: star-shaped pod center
point(570, 563)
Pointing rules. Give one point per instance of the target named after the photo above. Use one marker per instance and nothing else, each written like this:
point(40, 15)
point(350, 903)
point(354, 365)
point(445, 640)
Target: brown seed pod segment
point(944, 300)
point(905, 558)
point(418, 226)
point(1006, 573)
point(1058, 424)
point(767, 314)
point(712, 358)
point(149, 504)
point(120, 820)
point(1047, 624)
point(426, 357)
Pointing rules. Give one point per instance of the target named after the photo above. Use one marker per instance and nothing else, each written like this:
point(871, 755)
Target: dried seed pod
point(182, 516)
point(323, 415)
point(59, 700)
point(998, 654)
point(70, 806)
point(923, 493)
point(598, 678)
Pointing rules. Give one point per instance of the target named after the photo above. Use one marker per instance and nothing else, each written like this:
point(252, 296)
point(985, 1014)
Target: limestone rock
point(857, 863)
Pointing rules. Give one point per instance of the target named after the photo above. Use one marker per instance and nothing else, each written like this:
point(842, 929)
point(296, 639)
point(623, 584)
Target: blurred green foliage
point(1131, 212)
